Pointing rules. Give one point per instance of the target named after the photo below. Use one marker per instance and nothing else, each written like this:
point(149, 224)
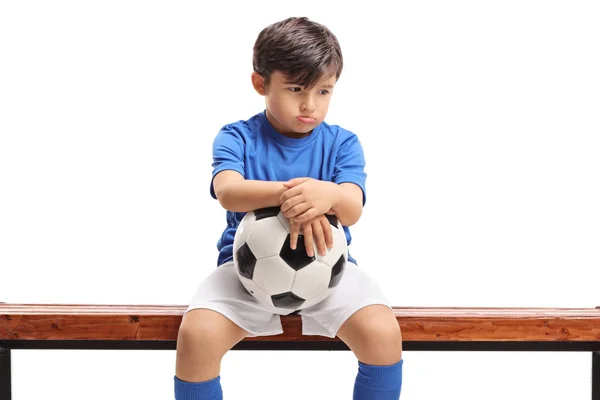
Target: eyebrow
point(297, 84)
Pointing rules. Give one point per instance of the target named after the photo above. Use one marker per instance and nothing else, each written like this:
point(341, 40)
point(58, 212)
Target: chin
point(304, 128)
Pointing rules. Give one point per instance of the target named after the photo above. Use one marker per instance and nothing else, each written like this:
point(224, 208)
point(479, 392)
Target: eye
point(324, 91)
point(294, 89)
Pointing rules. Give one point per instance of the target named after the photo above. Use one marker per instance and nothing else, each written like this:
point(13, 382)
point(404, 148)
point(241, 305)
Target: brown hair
point(303, 50)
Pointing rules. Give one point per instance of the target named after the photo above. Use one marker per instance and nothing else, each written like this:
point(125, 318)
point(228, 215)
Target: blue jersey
point(257, 151)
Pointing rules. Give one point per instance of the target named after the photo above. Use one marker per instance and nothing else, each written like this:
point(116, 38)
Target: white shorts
point(223, 292)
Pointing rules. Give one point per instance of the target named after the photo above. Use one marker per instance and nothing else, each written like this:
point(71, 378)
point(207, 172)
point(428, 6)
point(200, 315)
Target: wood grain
point(161, 322)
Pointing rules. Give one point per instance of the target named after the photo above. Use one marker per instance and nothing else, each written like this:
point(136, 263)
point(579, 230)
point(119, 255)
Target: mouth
point(306, 120)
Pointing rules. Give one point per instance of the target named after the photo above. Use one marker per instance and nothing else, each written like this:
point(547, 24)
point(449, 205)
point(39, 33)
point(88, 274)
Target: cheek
point(324, 104)
point(273, 104)
point(283, 106)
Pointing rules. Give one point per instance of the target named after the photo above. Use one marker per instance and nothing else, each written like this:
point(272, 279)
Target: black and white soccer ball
point(275, 274)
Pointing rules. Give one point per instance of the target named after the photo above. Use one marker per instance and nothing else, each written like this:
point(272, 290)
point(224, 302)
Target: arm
point(307, 198)
point(349, 175)
point(240, 195)
point(348, 205)
point(344, 200)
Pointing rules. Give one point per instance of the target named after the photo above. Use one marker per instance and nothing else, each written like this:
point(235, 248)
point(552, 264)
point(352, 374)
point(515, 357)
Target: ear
point(259, 83)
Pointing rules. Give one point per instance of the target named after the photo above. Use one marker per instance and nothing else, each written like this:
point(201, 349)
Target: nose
point(308, 104)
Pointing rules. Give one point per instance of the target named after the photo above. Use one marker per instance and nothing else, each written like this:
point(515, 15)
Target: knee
point(380, 342)
point(198, 339)
point(384, 343)
point(373, 334)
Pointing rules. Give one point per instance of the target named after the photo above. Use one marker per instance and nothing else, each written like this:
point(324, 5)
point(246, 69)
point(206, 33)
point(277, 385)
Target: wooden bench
point(128, 327)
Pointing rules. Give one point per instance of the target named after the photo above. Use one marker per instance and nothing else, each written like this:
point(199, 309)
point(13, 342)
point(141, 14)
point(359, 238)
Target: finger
point(327, 232)
point(288, 194)
point(319, 237)
point(296, 210)
point(284, 197)
point(289, 203)
point(306, 215)
point(295, 182)
point(308, 240)
point(294, 231)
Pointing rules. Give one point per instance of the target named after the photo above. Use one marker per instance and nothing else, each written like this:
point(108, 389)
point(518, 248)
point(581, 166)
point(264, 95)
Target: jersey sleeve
point(228, 153)
point(350, 164)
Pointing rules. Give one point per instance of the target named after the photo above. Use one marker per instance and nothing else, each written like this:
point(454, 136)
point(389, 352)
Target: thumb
point(294, 182)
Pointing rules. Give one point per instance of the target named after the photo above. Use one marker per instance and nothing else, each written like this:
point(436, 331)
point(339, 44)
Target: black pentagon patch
point(287, 300)
point(332, 220)
point(337, 272)
point(266, 212)
point(245, 261)
point(296, 259)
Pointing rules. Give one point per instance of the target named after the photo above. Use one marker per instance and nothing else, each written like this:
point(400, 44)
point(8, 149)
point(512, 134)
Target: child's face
point(293, 110)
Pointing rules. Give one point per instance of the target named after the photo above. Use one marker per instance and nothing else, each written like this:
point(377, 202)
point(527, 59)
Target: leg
point(358, 313)
point(373, 335)
point(220, 315)
point(5, 378)
point(204, 338)
point(595, 375)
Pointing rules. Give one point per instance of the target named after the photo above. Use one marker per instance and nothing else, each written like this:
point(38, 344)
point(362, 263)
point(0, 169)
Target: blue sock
point(209, 390)
point(375, 382)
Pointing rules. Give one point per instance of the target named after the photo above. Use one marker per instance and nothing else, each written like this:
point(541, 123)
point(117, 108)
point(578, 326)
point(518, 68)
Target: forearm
point(348, 203)
point(249, 195)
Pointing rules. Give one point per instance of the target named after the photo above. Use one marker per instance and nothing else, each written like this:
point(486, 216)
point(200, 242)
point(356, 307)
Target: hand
point(307, 198)
point(316, 231)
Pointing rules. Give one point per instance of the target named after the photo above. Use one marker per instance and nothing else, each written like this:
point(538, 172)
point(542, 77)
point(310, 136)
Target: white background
point(480, 123)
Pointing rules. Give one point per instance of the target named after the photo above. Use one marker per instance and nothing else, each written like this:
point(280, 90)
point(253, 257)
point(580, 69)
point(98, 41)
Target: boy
point(287, 156)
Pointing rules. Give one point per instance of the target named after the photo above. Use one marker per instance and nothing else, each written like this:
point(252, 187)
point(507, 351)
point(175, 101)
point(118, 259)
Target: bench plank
point(160, 322)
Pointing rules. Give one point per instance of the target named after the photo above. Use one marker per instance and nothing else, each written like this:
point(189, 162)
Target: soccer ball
point(275, 274)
